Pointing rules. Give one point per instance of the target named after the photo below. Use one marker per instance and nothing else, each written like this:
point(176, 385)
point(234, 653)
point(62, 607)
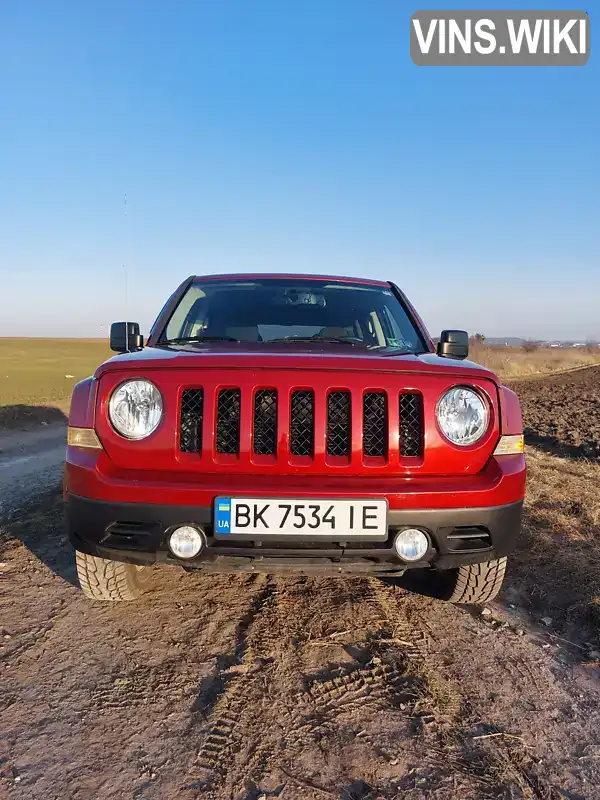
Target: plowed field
point(562, 413)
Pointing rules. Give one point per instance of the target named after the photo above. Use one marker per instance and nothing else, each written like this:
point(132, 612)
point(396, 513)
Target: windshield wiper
point(326, 339)
point(185, 339)
point(399, 351)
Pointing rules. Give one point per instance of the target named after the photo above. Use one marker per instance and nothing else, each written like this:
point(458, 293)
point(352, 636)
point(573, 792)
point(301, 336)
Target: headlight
point(462, 416)
point(135, 409)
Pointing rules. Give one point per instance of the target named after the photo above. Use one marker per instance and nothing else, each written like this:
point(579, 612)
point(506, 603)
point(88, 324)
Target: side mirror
point(125, 337)
point(453, 344)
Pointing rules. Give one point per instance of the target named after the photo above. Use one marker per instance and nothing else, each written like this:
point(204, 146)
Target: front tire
point(477, 584)
point(103, 579)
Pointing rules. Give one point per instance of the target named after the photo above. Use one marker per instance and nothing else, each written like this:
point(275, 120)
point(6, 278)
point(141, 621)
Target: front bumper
point(138, 532)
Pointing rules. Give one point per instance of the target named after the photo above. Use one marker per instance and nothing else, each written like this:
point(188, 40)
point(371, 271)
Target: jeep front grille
point(228, 421)
point(300, 423)
point(411, 425)
point(375, 424)
point(265, 422)
point(338, 424)
point(190, 425)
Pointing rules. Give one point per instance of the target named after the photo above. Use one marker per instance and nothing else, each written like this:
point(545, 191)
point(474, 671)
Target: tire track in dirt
point(165, 682)
point(391, 671)
point(237, 688)
point(231, 692)
point(274, 710)
point(511, 763)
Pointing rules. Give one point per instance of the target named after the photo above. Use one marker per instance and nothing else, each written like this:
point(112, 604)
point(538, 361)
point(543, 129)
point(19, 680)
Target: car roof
point(246, 276)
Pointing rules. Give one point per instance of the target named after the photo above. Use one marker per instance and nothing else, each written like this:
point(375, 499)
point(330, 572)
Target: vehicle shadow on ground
point(39, 525)
point(429, 583)
point(24, 417)
point(552, 445)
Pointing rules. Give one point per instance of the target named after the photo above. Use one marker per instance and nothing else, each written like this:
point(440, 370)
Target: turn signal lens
point(510, 446)
point(83, 437)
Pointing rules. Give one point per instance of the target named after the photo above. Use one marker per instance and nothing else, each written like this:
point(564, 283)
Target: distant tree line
point(531, 345)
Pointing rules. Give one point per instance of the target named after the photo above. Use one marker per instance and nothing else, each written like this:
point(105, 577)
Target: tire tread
point(103, 579)
point(477, 584)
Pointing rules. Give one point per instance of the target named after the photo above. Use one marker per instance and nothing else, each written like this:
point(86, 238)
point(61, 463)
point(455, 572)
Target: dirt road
point(300, 688)
point(30, 463)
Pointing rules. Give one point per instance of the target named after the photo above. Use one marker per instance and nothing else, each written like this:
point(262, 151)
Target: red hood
point(247, 355)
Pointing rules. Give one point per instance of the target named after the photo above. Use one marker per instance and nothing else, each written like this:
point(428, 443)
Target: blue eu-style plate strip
point(223, 515)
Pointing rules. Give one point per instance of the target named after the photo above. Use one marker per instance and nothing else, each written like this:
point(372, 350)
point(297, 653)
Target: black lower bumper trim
point(137, 533)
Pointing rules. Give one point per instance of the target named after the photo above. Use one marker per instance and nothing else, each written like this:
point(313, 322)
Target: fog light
point(186, 542)
point(411, 544)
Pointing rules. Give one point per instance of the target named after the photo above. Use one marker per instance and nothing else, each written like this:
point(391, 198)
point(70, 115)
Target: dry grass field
point(514, 362)
point(556, 571)
point(38, 375)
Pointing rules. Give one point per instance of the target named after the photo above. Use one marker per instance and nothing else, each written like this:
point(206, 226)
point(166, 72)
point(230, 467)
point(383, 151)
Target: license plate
point(311, 519)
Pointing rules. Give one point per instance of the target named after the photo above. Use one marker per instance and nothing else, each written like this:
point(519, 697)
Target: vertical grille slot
point(338, 424)
point(375, 424)
point(302, 423)
point(265, 422)
point(228, 421)
point(190, 420)
point(411, 425)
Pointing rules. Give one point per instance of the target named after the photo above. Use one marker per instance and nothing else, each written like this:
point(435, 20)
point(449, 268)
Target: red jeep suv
point(293, 423)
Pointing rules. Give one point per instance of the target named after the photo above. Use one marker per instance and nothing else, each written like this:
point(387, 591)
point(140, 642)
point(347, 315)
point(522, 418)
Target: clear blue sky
point(274, 135)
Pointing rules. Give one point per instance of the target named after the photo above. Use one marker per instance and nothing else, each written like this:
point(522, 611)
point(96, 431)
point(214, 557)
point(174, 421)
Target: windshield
point(288, 310)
